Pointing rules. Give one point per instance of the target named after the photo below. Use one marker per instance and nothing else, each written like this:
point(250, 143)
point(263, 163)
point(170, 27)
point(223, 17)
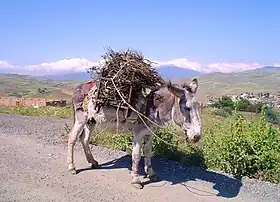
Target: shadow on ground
point(176, 173)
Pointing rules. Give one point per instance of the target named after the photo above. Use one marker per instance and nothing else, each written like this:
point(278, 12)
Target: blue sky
point(205, 32)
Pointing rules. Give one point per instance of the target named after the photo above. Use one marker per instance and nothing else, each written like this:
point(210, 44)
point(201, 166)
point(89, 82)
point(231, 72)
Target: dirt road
point(33, 168)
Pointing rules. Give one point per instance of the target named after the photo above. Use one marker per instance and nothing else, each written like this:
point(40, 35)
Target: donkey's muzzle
point(196, 138)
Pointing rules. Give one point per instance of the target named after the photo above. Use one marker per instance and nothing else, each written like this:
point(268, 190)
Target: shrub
point(223, 112)
point(228, 110)
point(225, 101)
point(160, 147)
point(251, 108)
point(244, 149)
point(273, 116)
point(242, 105)
point(258, 107)
point(169, 144)
point(61, 112)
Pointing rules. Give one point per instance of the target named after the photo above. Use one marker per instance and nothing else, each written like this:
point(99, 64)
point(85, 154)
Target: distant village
point(270, 99)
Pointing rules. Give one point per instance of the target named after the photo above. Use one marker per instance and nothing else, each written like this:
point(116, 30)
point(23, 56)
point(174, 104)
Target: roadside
point(33, 168)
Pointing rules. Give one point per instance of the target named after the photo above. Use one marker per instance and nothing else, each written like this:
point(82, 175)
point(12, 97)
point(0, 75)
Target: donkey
point(167, 104)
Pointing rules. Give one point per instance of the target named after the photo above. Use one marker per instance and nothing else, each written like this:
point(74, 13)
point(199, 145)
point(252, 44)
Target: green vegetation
point(218, 84)
point(235, 144)
point(28, 86)
point(273, 116)
point(241, 105)
point(225, 106)
point(244, 148)
point(60, 112)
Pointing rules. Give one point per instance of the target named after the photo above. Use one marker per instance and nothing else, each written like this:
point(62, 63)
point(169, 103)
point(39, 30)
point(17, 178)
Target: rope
point(140, 114)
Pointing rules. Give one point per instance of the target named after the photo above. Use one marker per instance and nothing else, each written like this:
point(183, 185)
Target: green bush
point(225, 101)
point(242, 105)
point(61, 112)
point(245, 106)
point(273, 116)
point(223, 112)
point(160, 147)
point(167, 143)
point(258, 107)
point(244, 149)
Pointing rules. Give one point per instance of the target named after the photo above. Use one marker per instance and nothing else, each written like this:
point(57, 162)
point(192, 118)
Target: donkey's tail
point(73, 109)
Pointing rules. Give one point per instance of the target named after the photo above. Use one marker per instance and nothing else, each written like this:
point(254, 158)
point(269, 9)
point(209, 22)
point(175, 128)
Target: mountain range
point(167, 72)
point(265, 69)
point(266, 79)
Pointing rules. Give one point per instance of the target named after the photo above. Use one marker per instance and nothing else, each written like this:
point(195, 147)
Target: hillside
point(217, 84)
point(214, 84)
point(29, 86)
point(75, 76)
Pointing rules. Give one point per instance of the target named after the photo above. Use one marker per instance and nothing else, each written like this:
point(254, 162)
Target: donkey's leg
point(147, 151)
point(77, 129)
point(136, 156)
point(88, 128)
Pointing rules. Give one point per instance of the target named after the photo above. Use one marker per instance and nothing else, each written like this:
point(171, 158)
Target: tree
point(226, 102)
point(242, 105)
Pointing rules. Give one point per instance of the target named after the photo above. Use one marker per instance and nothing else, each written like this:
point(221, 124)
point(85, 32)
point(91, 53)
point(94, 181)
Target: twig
point(119, 71)
point(135, 109)
point(117, 113)
point(140, 114)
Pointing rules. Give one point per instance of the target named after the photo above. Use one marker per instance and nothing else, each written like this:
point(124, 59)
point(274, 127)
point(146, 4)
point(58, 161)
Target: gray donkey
point(168, 104)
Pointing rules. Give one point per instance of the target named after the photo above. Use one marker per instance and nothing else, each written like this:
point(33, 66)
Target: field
point(34, 87)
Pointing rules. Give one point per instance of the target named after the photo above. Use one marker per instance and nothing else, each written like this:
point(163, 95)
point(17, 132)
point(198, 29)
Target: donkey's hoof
point(137, 185)
point(154, 178)
point(72, 171)
point(95, 165)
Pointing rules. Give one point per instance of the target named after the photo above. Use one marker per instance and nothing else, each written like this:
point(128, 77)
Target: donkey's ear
point(178, 92)
point(193, 85)
point(184, 85)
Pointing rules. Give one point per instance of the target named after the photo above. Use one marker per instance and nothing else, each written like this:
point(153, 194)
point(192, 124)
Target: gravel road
point(33, 168)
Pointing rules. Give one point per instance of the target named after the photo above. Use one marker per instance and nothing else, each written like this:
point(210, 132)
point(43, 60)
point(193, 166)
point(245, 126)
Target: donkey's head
point(189, 109)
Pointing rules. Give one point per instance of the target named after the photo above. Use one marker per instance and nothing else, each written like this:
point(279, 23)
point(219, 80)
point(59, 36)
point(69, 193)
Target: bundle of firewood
point(126, 68)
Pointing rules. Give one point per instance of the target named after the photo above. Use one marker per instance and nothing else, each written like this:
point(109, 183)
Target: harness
point(87, 87)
